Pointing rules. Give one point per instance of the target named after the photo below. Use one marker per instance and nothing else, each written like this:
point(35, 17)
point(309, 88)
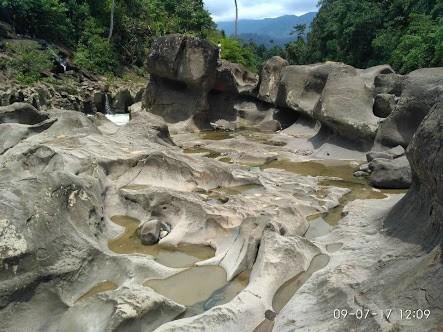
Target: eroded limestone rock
point(421, 90)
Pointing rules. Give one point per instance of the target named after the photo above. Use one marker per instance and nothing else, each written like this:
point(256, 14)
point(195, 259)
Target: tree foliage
point(408, 34)
point(234, 50)
point(84, 26)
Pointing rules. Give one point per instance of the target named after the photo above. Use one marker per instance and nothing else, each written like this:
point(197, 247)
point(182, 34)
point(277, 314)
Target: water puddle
point(237, 190)
point(288, 290)
point(265, 326)
point(129, 243)
point(360, 188)
point(227, 160)
point(99, 288)
point(199, 288)
point(251, 134)
point(201, 150)
point(329, 168)
point(215, 135)
point(258, 136)
point(135, 187)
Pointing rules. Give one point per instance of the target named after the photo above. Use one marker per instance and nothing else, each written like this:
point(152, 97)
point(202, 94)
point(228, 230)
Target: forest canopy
point(408, 34)
point(84, 25)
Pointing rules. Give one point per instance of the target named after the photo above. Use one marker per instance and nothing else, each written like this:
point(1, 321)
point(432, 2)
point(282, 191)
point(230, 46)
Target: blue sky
point(223, 10)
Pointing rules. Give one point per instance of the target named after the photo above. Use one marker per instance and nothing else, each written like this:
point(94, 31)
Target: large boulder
point(339, 96)
point(235, 79)
point(269, 79)
point(384, 105)
point(418, 217)
point(251, 113)
point(183, 71)
point(346, 107)
point(370, 74)
point(233, 83)
point(184, 59)
point(173, 101)
point(121, 101)
point(390, 173)
point(389, 84)
point(421, 89)
point(393, 153)
point(149, 232)
point(300, 87)
point(21, 113)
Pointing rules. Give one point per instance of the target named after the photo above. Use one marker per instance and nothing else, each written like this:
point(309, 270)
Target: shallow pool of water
point(199, 288)
point(201, 150)
point(237, 190)
point(343, 171)
point(215, 135)
point(287, 291)
point(329, 168)
point(99, 288)
point(129, 243)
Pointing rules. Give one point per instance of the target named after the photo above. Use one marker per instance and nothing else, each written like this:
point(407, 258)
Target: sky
point(224, 10)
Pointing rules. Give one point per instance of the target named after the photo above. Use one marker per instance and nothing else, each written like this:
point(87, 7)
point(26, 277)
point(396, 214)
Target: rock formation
point(269, 77)
point(98, 220)
point(418, 217)
point(419, 93)
point(182, 74)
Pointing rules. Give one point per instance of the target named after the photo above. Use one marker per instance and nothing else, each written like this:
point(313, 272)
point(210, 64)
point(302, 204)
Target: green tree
point(94, 52)
point(404, 33)
point(236, 51)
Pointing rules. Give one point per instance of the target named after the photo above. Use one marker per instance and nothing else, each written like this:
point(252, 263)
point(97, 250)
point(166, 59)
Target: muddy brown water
point(200, 287)
point(201, 150)
point(208, 153)
point(289, 288)
point(101, 287)
point(129, 243)
point(343, 171)
point(215, 135)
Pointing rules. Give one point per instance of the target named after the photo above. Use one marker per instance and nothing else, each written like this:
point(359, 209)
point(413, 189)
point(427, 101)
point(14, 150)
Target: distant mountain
point(268, 31)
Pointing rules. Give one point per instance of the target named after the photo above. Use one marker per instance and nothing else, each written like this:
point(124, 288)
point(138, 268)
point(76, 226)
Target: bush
point(28, 62)
point(94, 52)
point(236, 51)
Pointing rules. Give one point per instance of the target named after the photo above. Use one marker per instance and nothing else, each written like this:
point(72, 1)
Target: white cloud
point(224, 10)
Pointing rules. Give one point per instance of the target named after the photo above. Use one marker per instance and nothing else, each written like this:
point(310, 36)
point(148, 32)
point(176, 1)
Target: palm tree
point(111, 24)
point(236, 19)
